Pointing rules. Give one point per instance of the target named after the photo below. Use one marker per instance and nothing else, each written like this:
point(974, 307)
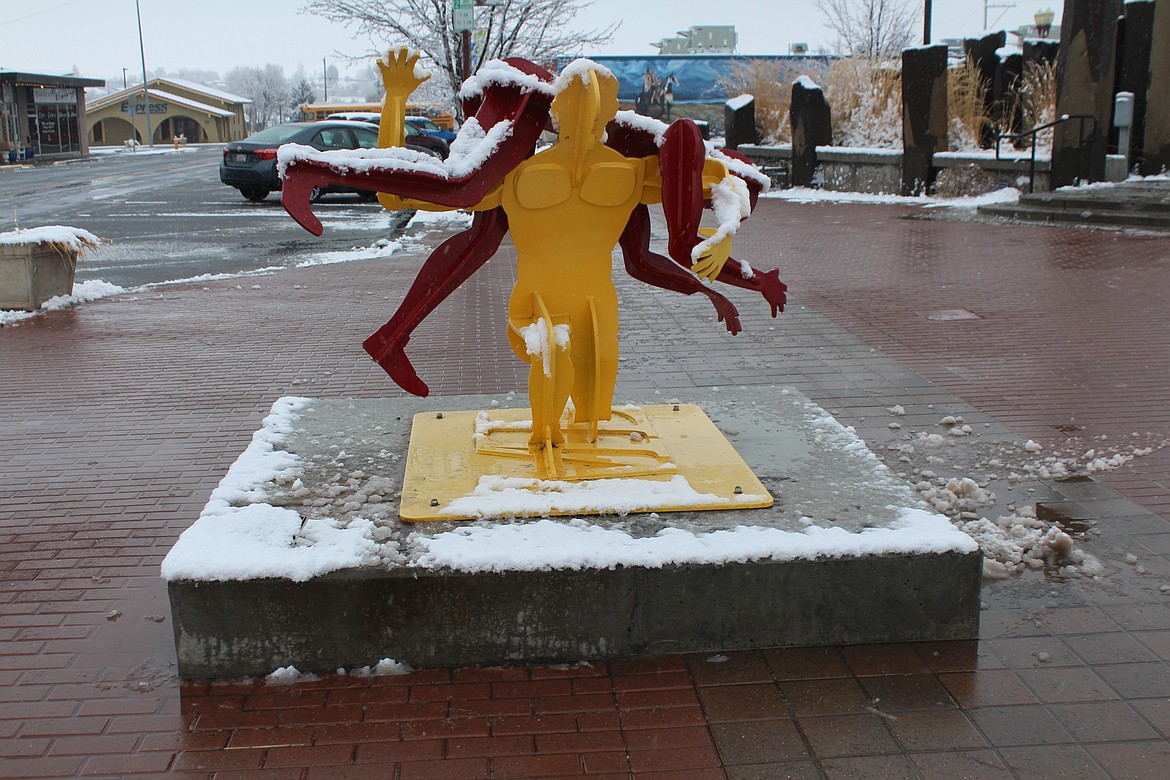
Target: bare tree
point(873, 29)
point(539, 30)
point(266, 87)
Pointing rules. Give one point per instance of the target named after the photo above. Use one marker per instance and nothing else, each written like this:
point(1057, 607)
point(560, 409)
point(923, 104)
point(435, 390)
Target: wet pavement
point(121, 415)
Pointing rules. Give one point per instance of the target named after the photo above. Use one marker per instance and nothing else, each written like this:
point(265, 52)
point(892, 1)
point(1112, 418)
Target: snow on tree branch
point(538, 30)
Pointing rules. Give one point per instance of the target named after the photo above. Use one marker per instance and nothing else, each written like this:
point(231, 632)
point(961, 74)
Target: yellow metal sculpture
point(567, 207)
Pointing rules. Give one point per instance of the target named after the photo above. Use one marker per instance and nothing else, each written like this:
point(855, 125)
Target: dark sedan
point(250, 165)
point(417, 134)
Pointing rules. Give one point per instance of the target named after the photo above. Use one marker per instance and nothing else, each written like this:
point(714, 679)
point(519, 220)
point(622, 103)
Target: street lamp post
point(325, 79)
point(926, 12)
point(145, 92)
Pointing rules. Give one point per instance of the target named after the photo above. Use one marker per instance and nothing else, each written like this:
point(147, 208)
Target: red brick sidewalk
point(120, 416)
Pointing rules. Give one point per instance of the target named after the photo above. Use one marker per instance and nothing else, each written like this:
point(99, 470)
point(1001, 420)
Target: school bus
point(312, 112)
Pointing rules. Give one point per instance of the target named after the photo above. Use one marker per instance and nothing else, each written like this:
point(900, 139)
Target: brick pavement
point(120, 416)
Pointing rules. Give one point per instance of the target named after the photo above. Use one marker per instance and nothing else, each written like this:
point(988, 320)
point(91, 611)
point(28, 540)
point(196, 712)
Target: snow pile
point(809, 195)
point(287, 675)
point(497, 73)
point(83, 292)
point(387, 666)
point(381, 248)
point(497, 496)
point(71, 238)
point(741, 101)
point(1016, 541)
point(238, 535)
point(579, 544)
point(959, 495)
point(1021, 541)
point(440, 219)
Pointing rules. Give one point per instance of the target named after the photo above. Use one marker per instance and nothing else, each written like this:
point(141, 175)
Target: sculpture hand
point(773, 290)
point(400, 75)
point(728, 314)
point(711, 262)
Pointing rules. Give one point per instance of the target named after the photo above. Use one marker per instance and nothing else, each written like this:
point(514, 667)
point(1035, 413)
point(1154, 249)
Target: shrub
point(966, 106)
point(767, 81)
point(866, 98)
point(1035, 95)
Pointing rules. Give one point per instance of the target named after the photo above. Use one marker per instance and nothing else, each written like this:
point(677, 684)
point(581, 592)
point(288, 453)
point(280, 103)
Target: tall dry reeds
point(866, 98)
point(1034, 97)
point(966, 106)
point(767, 81)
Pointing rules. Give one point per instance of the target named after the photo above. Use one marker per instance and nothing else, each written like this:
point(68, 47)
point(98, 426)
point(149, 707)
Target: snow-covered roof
point(219, 93)
point(126, 94)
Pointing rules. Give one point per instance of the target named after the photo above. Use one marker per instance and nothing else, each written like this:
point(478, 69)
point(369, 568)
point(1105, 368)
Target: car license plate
point(242, 157)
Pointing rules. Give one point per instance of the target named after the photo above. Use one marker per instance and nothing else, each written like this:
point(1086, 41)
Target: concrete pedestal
point(304, 561)
point(31, 274)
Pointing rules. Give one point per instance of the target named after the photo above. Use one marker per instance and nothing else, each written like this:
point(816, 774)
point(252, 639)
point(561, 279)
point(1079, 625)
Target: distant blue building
point(654, 83)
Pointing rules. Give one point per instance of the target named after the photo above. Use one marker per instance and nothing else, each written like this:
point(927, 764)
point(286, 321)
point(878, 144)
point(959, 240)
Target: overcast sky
point(100, 37)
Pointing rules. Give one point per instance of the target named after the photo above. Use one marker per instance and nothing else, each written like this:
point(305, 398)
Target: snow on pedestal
point(299, 558)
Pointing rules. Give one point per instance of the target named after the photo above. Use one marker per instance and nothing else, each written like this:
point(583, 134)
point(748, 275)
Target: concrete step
point(1082, 214)
point(1142, 204)
point(1116, 199)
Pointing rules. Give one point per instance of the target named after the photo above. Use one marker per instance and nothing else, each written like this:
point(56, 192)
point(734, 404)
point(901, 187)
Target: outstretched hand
point(400, 74)
point(773, 290)
point(711, 262)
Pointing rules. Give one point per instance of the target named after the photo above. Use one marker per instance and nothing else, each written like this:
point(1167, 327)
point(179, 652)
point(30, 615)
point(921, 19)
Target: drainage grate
point(947, 315)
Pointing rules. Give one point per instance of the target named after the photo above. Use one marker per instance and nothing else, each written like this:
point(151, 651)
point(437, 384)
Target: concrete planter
point(39, 264)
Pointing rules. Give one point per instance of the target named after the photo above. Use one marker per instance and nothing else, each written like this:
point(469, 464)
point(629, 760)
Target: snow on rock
point(238, 536)
point(83, 292)
point(287, 675)
point(579, 544)
point(387, 666)
point(740, 101)
point(1015, 543)
point(496, 496)
point(262, 522)
point(440, 219)
point(75, 239)
point(808, 83)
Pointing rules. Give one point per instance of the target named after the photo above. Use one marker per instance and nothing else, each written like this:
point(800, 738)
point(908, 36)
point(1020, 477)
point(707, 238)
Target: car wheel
point(315, 194)
point(254, 195)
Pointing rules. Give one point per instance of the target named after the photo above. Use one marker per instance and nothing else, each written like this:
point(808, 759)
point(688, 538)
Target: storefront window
point(52, 127)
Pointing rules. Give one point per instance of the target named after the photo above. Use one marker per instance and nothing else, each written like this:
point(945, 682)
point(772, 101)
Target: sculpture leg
point(451, 264)
point(532, 333)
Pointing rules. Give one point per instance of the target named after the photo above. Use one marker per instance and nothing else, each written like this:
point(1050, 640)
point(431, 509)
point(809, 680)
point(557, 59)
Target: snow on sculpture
point(566, 206)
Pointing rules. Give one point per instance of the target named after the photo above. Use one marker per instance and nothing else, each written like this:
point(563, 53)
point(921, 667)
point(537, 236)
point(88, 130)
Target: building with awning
point(177, 109)
point(42, 115)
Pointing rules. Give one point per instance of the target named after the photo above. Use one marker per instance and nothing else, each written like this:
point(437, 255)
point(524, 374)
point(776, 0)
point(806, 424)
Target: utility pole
point(124, 83)
point(987, 5)
point(926, 9)
point(325, 79)
point(145, 93)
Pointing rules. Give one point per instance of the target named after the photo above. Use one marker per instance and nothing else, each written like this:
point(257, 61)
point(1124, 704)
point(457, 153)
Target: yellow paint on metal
point(446, 457)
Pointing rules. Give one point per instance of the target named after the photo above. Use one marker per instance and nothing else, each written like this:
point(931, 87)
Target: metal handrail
point(1035, 131)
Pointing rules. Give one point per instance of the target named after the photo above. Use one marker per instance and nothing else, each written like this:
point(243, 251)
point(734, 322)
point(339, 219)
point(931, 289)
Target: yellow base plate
point(465, 465)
